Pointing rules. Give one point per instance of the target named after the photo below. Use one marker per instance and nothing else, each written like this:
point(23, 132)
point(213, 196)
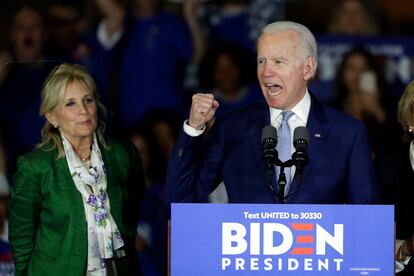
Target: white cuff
point(103, 38)
point(193, 132)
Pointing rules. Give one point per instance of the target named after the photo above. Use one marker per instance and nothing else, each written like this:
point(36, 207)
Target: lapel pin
point(318, 135)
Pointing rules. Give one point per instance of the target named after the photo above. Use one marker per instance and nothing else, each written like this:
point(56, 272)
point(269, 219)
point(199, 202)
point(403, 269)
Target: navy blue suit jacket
point(339, 169)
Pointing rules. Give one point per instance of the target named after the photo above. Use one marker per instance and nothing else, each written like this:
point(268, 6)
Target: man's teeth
point(274, 89)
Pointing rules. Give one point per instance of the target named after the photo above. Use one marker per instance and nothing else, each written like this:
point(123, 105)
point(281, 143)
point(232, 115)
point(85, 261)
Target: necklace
point(81, 153)
point(87, 158)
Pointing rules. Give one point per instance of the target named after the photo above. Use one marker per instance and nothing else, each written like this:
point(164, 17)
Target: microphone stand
point(281, 182)
point(270, 155)
point(282, 178)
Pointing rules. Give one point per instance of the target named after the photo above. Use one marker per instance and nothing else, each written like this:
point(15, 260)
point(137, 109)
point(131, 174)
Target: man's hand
point(203, 108)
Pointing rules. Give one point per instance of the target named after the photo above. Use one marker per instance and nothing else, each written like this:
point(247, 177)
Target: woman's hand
point(405, 250)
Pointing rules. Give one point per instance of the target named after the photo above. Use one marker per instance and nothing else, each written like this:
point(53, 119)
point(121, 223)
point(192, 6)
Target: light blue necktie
point(284, 145)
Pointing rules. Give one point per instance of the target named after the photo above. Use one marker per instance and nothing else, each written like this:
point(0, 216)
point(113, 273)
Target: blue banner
point(395, 54)
point(265, 239)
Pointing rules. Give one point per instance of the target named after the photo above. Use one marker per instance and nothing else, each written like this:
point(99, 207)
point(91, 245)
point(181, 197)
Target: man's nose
point(268, 70)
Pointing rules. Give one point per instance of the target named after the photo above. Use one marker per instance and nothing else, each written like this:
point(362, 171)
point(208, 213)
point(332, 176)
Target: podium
point(270, 239)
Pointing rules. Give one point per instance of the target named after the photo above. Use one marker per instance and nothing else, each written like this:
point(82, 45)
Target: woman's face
point(226, 74)
point(141, 145)
point(165, 138)
point(353, 68)
point(147, 5)
point(352, 17)
point(76, 113)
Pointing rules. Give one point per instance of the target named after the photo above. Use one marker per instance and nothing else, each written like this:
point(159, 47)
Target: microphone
point(269, 155)
point(269, 142)
point(300, 142)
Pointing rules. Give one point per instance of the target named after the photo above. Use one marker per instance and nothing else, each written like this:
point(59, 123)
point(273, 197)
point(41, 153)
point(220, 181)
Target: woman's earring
point(410, 130)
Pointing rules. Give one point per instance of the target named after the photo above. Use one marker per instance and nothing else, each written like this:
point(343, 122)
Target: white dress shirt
point(107, 42)
point(300, 118)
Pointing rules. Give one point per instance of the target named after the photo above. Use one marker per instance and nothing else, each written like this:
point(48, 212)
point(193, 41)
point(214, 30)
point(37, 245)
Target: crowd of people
point(132, 70)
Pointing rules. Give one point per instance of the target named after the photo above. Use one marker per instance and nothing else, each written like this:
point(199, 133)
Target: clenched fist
point(203, 108)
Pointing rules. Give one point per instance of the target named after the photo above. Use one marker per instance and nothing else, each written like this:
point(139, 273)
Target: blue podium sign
point(265, 239)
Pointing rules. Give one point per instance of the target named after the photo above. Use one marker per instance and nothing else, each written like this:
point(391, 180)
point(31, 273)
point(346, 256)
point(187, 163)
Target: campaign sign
point(269, 239)
point(395, 55)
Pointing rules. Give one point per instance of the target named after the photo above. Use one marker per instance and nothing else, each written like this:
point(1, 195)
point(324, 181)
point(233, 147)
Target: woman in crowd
point(361, 91)
point(225, 70)
point(354, 17)
point(75, 199)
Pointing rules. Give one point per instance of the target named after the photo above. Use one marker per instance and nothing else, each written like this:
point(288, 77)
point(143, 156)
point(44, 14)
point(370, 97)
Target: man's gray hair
point(307, 40)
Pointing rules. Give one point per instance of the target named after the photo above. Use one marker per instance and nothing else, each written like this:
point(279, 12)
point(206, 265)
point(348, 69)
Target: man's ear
point(309, 68)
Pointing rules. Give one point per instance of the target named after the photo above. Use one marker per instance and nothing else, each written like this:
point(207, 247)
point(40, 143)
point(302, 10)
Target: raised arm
point(192, 175)
point(190, 14)
point(114, 14)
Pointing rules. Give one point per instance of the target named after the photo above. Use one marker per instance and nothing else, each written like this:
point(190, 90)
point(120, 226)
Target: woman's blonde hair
point(406, 108)
point(53, 92)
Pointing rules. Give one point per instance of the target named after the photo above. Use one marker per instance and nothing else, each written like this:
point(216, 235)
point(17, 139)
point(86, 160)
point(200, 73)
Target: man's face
point(64, 27)
point(282, 69)
point(28, 35)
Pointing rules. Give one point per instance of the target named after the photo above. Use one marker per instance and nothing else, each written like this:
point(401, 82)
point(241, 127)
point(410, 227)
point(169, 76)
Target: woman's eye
point(89, 100)
point(70, 104)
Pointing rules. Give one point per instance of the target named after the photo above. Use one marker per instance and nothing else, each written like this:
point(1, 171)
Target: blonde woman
point(75, 198)
point(402, 187)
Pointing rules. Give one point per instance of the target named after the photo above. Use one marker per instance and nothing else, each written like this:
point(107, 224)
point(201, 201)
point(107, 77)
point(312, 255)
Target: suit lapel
point(259, 118)
point(110, 175)
point(318, 133)
point(65, 178)
point(108, 170)
point(317, 137)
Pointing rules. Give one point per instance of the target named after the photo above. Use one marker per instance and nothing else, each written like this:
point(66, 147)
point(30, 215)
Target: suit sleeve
point(362, 187)
point(24, 213)
point(194, 168)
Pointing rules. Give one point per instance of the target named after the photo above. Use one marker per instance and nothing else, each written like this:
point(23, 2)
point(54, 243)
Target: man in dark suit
point(339, 168)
